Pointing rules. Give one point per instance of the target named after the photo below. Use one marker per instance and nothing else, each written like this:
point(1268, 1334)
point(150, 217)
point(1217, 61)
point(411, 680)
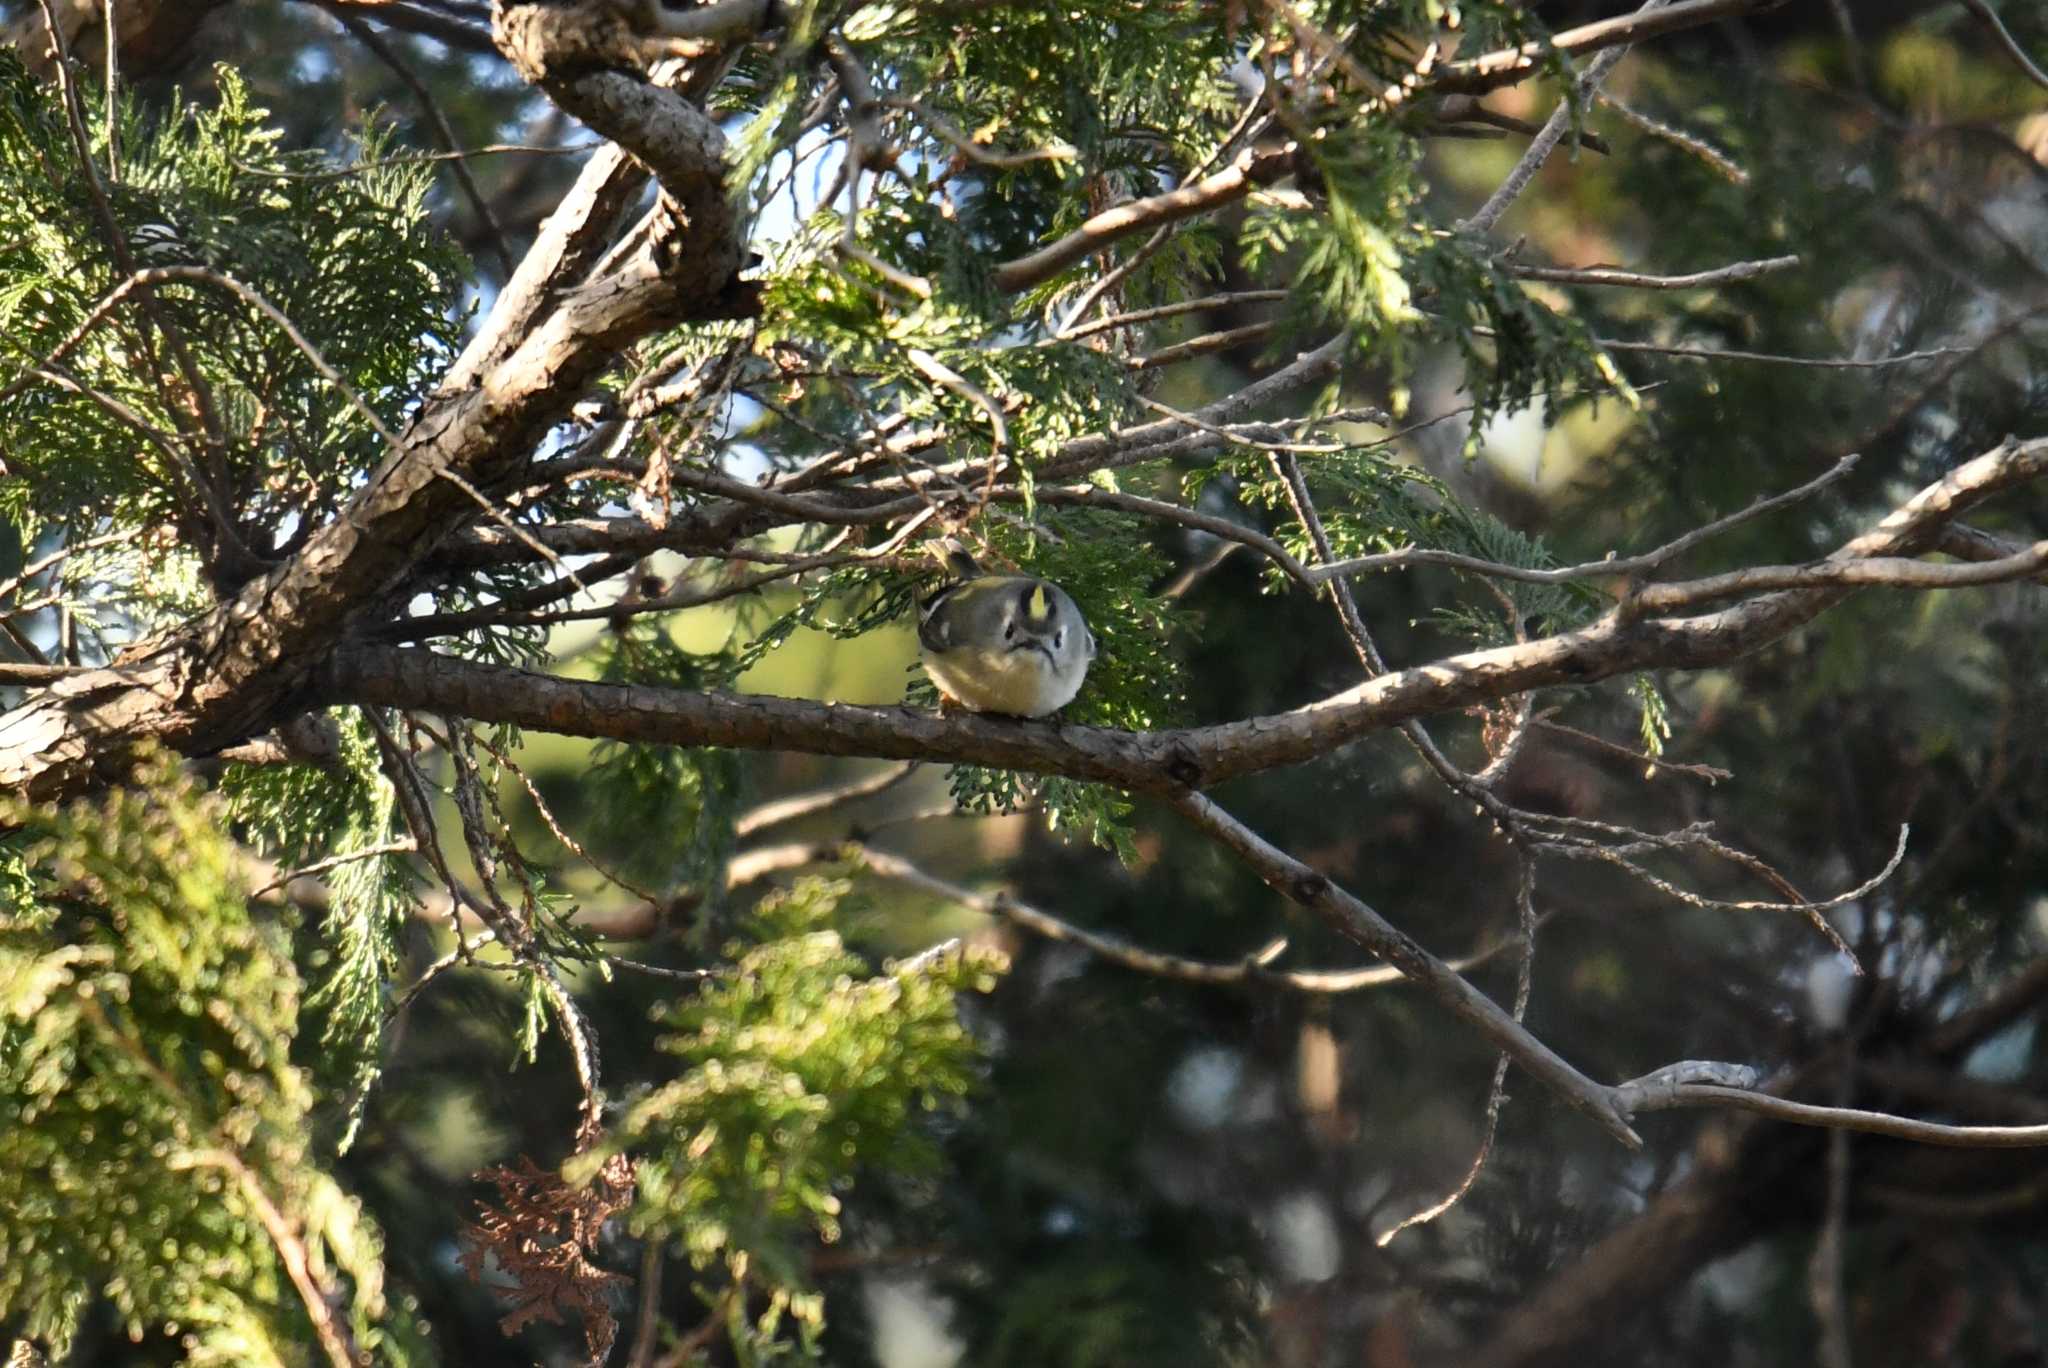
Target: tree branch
point(1165, 762)
point(1838, 1118)
point(1510, 66)
point(232, 671)
point(1251, 170)
point(1611, 567)
point(1990, 19)
point(1358, 923)
point(1635, 280)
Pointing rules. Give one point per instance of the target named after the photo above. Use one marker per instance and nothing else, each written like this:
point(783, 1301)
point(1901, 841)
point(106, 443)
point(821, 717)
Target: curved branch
point(1254, 968)
point(1889, 572)
point(1234, 182)
point(1163, 762)
point(1358, 923)
point(1609, 568)
point(230, 673)
point(1511, 66)
point(1637, 280)
point(2012, 47)
point(1842, 1118)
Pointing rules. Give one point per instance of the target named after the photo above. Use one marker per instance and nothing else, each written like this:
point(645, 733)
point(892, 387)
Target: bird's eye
point(1009, 629)
point(1059, 640)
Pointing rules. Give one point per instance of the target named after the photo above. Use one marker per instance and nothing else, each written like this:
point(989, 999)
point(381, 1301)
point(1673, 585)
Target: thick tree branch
point(1164, 762)
point(234, 670)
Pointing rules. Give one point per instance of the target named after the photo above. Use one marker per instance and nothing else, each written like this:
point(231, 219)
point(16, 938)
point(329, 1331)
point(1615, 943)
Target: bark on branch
point(1163, 762)
point(236, 669)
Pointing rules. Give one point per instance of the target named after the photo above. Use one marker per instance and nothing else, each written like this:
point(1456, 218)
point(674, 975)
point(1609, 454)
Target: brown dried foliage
point(535, 1246)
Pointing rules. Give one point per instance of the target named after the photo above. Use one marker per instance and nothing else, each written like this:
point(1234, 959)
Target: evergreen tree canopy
point(1546, 861)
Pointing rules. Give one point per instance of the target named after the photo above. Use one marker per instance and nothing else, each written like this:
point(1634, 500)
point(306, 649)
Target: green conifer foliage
point(797, 1071)
point(367, 1014)
point(155, 1142)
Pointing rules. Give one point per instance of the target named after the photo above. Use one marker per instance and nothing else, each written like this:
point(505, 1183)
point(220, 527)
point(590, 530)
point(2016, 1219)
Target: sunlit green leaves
point(798, 1070)
point(184, 383)
point(1518, 351)
point(154, 1135)
point(300, 814)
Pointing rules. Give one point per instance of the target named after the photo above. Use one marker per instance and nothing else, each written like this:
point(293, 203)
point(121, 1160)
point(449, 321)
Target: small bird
point(1010, 644)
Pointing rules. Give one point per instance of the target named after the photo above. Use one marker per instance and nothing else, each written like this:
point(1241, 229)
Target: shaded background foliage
point(1151, 1172)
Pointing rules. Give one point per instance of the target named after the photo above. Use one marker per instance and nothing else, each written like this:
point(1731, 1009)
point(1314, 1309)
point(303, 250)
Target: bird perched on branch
point(1010, 644)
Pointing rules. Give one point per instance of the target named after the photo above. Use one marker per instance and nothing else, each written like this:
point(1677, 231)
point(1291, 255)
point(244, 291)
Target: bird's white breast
point(1019, 683)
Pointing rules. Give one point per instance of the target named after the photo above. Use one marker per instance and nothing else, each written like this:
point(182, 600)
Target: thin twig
point(1356, 922)
point(1116, 276)
point(968, 147)
point(1243, 435)
point(1496, 1093)
point(417, 159)
point(174, 451)
point(692, 976)
point(157, 275)
point(1723, 165)
point(647, 1325)
point(1509, 66)
point(716, 21)
point(1137, 316)
point(1546, 140)
point(1605, 568)
point(449, 624)
point(413, 18)
point(1634, 280)
point(1651, 763)
point(518, 533)
point(554, 825)
point(1859, 73)
point(1256, 967)
point(1094, 496)
point(199, 396)
point(1835, 1118)
point(1202, 346)
point(111, 93)
point(8, 587)
point(494, 231)
point(946, 378)
point(2005, 39)
point(1774, 358)
point(1251, 170)
point(800, 805)
point(1809, 909)
point(408, 846)
point(1824, 1267)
